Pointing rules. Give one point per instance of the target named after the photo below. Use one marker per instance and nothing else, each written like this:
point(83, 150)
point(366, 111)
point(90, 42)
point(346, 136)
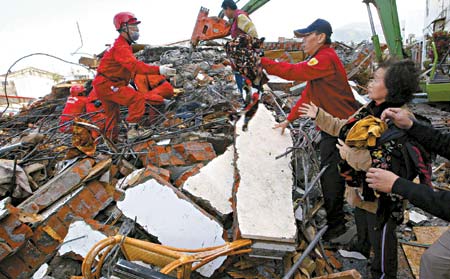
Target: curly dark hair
point(401, 80)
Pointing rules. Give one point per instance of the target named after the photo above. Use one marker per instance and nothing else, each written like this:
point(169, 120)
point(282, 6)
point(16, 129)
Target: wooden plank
point(349, 274)
point(413, 255)
point(428, 235)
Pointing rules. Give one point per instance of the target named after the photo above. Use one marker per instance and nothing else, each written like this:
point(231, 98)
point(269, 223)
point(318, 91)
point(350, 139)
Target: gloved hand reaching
point(166, 70)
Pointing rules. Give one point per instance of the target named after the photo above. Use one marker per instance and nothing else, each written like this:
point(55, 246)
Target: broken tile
point(264, 195)
point(214, 184)
point(167, 214)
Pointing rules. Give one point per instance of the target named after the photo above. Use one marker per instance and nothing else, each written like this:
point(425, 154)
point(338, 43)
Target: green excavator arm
point(387, 12)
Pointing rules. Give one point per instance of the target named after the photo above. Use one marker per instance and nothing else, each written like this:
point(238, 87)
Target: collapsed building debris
point(174, 219)
point(196, 181)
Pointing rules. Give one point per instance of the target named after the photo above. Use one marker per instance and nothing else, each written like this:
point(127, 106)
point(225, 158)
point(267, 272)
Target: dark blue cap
point(319, 25)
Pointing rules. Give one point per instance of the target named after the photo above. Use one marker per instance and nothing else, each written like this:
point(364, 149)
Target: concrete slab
point(214, 184)
point(169, 215)
point(40, 273)
point(264, 196)
point(80, 239)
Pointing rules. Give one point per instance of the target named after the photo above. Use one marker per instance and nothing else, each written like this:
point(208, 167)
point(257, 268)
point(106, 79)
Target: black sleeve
point(431, 139)
point(424, 197)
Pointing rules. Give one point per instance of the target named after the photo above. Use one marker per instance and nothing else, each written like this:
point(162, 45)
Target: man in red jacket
point(116, 68)
point(75, 106)
point(327, 87)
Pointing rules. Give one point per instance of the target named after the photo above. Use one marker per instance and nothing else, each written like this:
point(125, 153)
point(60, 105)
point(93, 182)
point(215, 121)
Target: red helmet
point(76, 90)
point(124, 18)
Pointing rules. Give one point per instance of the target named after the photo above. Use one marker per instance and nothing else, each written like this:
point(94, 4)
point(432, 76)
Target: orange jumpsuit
point(116, 68)
point(75, 106)
point(154, 87)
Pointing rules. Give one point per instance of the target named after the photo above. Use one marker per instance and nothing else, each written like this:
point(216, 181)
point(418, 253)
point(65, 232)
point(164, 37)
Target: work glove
point(166, 70)
point(97, 103)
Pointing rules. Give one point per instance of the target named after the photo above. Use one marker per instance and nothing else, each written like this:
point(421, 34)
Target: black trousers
point(382, 239)
point(251, 112)
point(333, 184)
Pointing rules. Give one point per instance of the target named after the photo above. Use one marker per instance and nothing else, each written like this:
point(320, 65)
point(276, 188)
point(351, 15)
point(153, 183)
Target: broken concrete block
point(31, 255)
point(195, 152)
point(3, 207)
point(213, 185)
point(5, 250)
point(351, 254)
point(10, 172)
point(188, 173)
point(14, 267)
point(157, 173)
point(57, 187)
point(176, 155)
point(143, 146)
point(80, 239)
point(130, 180)
point(162, 156)
point(415, 217)
point(13, 233)
point(271, 249)
point(48, 235)
point(264, 195)
point(169, 215)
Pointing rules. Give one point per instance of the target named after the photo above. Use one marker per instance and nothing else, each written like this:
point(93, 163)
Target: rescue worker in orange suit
point(328, 88)
point(117, 67)
point(75, 106)
point(155, 88)
point(241, 24)
point(157, 92)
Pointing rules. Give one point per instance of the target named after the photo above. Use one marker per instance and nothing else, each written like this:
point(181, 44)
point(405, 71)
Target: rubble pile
point(195, 182)
point(197, 196)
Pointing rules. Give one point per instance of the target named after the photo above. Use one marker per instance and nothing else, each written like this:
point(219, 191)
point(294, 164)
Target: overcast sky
point(28, 26)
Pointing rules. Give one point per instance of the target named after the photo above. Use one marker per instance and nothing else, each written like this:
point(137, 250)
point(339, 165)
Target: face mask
point(134, 36)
